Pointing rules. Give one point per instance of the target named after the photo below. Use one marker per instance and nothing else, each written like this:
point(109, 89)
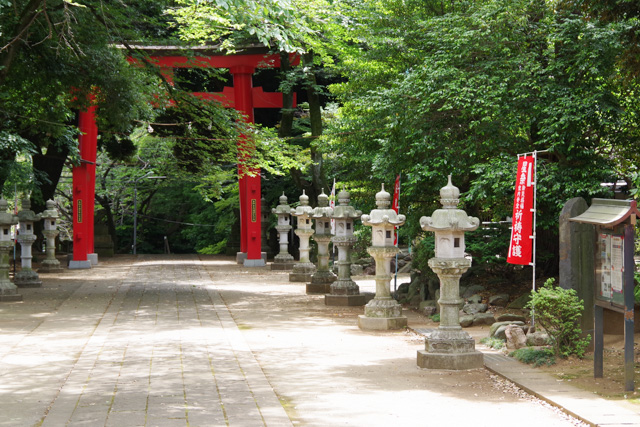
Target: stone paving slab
point(152, 346)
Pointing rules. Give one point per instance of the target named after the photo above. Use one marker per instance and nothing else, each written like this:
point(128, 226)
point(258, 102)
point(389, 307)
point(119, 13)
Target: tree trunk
point(315, 119)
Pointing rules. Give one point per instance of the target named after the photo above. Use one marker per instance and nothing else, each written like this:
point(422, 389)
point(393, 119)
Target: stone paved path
point(157, 347)
point(200, 341)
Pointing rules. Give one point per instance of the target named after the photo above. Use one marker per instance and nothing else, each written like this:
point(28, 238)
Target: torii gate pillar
point(84, 189)
point(249, 178)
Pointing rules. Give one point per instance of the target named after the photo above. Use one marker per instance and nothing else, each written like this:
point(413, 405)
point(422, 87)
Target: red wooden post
point(84, 177)
point(250, 221)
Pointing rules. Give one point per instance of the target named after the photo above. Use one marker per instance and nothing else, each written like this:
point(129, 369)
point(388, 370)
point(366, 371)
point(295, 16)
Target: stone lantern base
point(8, 292)
point(382, 314)
point(27, 278)
point(321, 282)
point(302, 272)
point(282, 262)
point(50, 266)
point(450, 349)
point(344, 293)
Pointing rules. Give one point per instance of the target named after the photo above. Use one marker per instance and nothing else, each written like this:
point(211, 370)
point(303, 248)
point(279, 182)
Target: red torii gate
point(242, 96)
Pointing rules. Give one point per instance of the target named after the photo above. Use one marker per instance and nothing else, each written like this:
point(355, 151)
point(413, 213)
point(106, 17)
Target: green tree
point(462, 88)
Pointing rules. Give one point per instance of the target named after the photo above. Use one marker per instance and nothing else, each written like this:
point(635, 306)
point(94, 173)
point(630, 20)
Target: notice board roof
point(608, 212)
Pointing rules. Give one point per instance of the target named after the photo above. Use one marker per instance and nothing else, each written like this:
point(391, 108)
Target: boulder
point(515, 337)
point(428, 303)
point(475, 308)
point(403, 288)
point(356, 269)
point(496, 325)
point(473, 289)
point(474, 299)
point(520, 302)
point(510, 317)
point(466, 320)
point(538, 338)
point(501, 332)
point(483, 319)
point(499, 300)
point(415, 301)
point(429, 310)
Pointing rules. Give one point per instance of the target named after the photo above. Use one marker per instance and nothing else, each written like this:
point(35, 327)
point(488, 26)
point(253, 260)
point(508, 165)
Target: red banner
point(521, 246)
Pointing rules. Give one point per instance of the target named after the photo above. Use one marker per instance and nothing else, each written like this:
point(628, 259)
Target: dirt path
point(329, 372)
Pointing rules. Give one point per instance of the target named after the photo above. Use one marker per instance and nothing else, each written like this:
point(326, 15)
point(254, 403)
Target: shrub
point(537, 357)
point(558, 311)
point(435, 318)
point(493, 342)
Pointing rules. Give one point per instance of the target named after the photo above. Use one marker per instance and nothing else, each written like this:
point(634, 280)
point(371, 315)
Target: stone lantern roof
point(450, 218)
point(303, 208)
point(323, 210)
point(383, 215)
point(50, 212)
point(344, 210)
point(26, 214)
point(283, 207)
point(6, 218)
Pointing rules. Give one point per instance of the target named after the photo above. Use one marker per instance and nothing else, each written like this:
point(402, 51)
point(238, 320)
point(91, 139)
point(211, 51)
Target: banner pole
point(533, 257)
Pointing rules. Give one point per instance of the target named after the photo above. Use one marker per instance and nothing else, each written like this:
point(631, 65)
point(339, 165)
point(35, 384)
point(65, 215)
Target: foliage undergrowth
point(537, 357)
point(558, 312)
point(493, 342)
point(435, 318)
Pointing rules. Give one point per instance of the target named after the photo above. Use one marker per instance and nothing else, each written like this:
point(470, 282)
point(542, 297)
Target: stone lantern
point(449, 347)
point(284, 260)
point(26, 277)
point(50, 232)
point(8, 291)
point(383, 312)
point(322, 279)
point(303, 269)
point(344, 291)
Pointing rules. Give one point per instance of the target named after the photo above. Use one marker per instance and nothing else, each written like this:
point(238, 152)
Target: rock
point(370, 270)
point(515, 337)
point(501, 332)
point(466, 320)
point(510, 317)
point(499, 300)
point(428, 303)
point(429, 310)
point(415, 301)
point(495, 326)
point(475, 308)
point(474, 299)
point(483, 319)
point(537, 338)
point(403, 288)
point(473, 289)
point(356, 270)
point(520, 302)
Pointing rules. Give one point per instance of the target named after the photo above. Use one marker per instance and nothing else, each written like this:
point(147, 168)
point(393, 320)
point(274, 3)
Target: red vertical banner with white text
point(521, 246)
point(396, 204)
